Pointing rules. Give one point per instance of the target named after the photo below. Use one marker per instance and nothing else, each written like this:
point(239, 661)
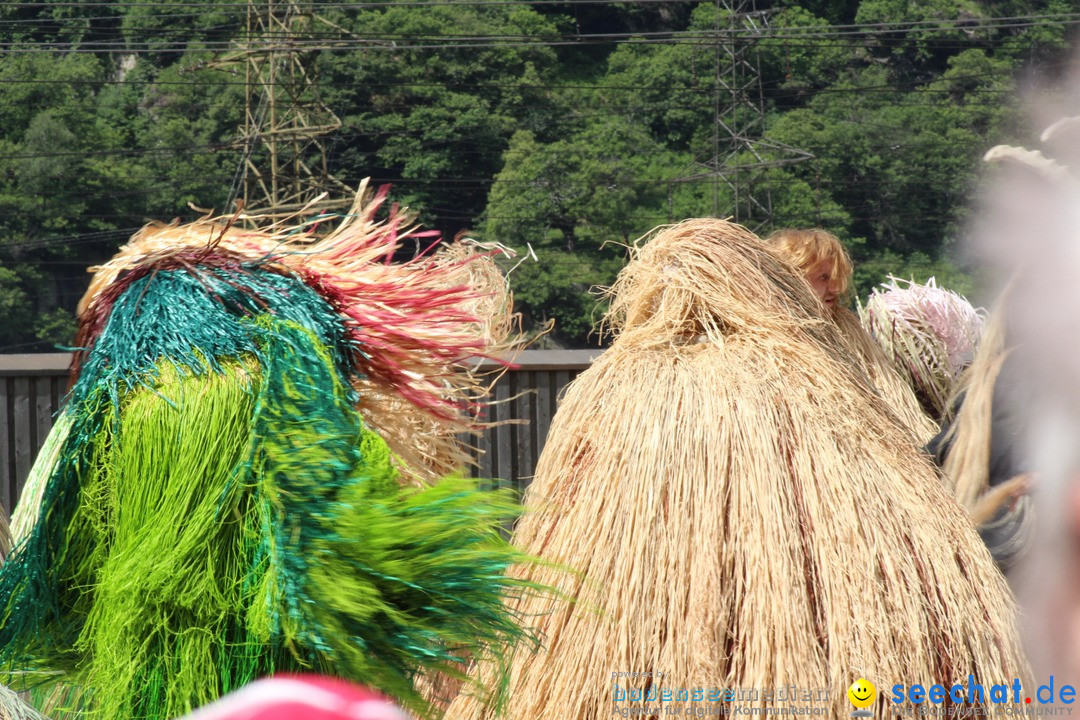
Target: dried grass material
point(1009, 492)
point(426, 447)
point(930, 334)
point(892, 386)
point(967, 464)
point(5, 535)
point(689, 285)
point(27, 509)
point(743, 511)
point(472, 264)
point(12, 707)
point(418, 324)
point(423, 449)
point(696, 288)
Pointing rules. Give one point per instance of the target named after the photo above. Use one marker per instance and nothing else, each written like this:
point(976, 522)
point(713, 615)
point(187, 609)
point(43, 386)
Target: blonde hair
point(806, 247)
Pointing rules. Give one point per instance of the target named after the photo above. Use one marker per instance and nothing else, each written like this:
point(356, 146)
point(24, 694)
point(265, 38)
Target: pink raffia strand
point(414, 325)
point(407, 336)
point(930, 333)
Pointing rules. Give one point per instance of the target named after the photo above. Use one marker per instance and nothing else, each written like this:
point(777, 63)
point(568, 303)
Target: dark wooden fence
point(32, 388)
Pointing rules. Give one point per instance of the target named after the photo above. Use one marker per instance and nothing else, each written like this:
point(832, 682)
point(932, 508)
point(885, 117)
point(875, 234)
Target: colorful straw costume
point(213, 506)
point(935, 339)
point(743, 510)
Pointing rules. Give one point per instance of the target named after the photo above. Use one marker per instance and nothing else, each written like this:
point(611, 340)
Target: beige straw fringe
point(894, 388)
point(6, 541)
point(12, 707)
point(967, 464)
point(997, 497)
point(26, 510)
point(742, 509)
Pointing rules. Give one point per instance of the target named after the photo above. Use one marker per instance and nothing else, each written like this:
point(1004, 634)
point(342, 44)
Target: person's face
point(821, 279)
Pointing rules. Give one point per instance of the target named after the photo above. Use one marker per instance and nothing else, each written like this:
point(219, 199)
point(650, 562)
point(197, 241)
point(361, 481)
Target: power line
point(384, 41)
point(201, 9)
point(230, 145)
point(122, 48)
point(702, 89)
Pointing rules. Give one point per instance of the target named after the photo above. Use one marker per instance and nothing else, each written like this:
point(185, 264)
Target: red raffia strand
point(410, 321)
point(390, 342)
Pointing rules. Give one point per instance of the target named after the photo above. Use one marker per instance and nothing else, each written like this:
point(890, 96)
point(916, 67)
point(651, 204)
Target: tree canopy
point(566, 128)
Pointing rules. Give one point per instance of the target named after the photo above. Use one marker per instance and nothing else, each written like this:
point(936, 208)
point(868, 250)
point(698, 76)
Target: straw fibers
point(421, 323)
point(13, 708)
point(5, 536)
point(928, 332)
point(967, 464)
point(893, 387)
point(741, 507)
point(26, 510)
point(434, 446)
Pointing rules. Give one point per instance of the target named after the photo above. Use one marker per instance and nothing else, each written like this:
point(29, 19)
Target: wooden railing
point(32, 388)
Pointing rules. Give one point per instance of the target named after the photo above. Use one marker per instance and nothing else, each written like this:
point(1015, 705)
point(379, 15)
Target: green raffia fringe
point(194, 321)
point(219, 512)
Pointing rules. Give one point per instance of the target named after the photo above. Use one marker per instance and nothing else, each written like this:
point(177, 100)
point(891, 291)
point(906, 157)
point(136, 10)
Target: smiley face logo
point(862, 693)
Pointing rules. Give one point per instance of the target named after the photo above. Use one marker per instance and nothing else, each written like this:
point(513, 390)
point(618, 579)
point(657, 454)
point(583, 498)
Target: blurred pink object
point(300, 697)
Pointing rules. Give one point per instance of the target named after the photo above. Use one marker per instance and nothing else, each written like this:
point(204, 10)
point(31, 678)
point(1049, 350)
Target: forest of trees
point(569, 127)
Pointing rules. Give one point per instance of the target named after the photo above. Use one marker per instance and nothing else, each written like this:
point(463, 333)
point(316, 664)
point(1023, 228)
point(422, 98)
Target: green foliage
point(667, 88)
point(170, 32)
point(188, 119)
point(438, 119)
point(577, 202)
point(517, 122)
point(1038, 42)
point(838, 12)
point(803, 59)
point(45, 133)
point(918, 267)
point(60, 22)
point(56, 327)
point(15, 307)
point(901, 165)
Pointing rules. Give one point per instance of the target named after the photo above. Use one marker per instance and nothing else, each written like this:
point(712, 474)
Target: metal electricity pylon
point(286, 125)
point(740, 156)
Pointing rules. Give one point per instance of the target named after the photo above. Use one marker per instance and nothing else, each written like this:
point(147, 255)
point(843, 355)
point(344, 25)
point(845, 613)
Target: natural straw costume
point(984, 447)
point(981, 448)
point(12, 707)
point(742, 508)
point(213, 505)
point(814, 251)
point(928, 332)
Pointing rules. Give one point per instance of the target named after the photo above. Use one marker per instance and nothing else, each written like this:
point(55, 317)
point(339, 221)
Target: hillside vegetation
point(568, 127)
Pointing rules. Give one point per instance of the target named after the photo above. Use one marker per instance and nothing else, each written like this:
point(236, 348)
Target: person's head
point(821, 258)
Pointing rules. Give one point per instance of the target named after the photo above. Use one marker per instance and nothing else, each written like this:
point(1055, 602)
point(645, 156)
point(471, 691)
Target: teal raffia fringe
point(218, 511)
